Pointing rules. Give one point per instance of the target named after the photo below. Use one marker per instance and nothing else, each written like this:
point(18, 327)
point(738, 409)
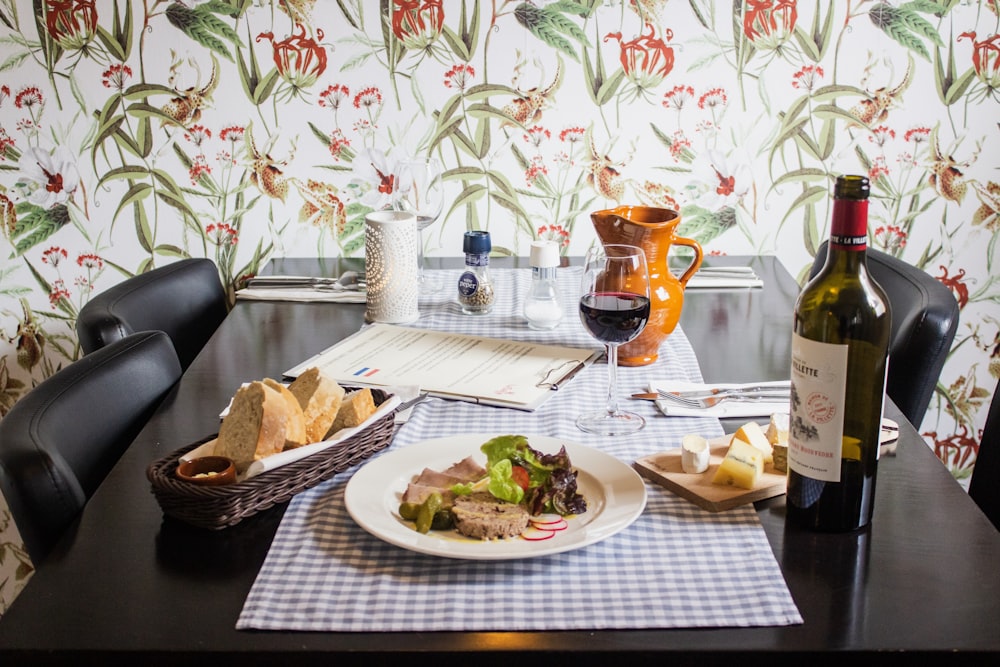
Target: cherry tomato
point(520, 477)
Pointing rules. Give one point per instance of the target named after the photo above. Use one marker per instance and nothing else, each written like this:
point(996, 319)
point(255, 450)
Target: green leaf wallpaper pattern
point(135, 132)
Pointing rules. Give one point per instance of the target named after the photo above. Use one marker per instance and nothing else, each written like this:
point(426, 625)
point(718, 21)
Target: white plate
point(615, 495)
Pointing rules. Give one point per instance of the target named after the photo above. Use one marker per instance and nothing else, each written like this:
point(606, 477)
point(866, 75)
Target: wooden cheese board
point(664, 469)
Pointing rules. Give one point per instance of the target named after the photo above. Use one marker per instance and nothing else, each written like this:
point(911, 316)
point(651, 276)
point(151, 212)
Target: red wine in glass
point(614, 317)
point(614, 309)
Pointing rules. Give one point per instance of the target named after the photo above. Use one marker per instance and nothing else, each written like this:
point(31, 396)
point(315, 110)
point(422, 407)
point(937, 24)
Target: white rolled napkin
point(723, 409)
point(301, 294)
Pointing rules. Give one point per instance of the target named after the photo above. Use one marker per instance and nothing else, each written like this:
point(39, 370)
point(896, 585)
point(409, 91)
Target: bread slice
point(356, 407)
point(320, 399)
point(295, 435)
point(255, 426)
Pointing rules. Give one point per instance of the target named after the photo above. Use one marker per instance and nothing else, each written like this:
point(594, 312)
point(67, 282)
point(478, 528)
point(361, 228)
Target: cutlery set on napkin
point(690, 399)
point(348, 288)
point(717, 277)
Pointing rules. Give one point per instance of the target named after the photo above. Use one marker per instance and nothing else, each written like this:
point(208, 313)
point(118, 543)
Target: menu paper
point(491, 371)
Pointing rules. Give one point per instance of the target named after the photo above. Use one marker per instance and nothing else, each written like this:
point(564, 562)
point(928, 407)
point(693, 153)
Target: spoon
point(348, 281)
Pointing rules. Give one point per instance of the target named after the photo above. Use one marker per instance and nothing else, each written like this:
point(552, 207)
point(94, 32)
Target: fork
point(724, 395)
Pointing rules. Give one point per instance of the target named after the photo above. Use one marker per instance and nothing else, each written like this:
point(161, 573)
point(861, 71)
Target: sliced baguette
point(254, 427)
point(355, 409)
point(320, 398)
point(295, 434)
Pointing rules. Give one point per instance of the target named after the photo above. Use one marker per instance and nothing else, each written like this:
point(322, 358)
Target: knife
point(725, 271)
point(768, 388)
point(653, 396)
point(290, 280)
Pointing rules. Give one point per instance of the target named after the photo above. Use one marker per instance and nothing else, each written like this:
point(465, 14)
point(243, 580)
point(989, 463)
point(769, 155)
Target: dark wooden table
point(128, 584)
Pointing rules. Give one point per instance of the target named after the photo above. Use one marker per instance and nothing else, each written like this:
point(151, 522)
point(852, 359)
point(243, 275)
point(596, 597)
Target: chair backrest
point(924, 322)
point(60, 440)
point(185, 299)
point(984, 487)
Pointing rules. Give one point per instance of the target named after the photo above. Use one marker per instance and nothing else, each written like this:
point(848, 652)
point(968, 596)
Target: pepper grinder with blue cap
point(475, 286)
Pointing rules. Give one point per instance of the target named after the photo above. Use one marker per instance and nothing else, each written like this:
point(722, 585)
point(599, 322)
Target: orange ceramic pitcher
point(654, 230)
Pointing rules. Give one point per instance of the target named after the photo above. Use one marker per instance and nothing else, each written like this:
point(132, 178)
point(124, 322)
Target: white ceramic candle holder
point(391, 267)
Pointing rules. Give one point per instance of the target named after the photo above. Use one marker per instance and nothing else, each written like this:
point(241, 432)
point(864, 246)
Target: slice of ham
point(417, 493)
point(467, 469)
point(436, 481)
point(439, 479)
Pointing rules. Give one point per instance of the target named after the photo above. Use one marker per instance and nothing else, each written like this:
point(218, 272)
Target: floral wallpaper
point(136, 132)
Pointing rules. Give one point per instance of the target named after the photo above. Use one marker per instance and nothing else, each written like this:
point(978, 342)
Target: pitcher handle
point(695, 263)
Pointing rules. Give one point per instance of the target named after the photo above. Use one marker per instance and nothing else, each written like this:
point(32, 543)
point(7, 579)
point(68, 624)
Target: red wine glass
point(614, 309)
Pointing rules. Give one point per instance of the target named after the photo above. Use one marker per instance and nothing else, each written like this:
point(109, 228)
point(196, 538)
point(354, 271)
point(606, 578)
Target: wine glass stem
point(420, 254)
point(612, 379)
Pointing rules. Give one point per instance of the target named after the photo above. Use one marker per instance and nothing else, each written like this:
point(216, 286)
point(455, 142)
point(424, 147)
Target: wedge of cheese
point(777, 435)
point(694, 454)
point(742, 466)
point(752, 434)
point(777, 429)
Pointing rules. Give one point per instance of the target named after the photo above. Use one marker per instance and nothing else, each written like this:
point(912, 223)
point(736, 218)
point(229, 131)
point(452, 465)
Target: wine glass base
point(613, 423)
point(428, 285)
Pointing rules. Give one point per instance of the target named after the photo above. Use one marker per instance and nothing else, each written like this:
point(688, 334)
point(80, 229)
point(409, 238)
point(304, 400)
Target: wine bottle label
point(849, 227)
point(816, 425)
point(849, 242)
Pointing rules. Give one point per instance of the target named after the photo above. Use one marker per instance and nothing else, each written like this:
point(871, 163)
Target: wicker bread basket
point(218, 507)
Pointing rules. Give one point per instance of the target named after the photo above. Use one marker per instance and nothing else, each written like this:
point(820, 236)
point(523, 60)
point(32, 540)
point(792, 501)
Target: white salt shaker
point(542, 307)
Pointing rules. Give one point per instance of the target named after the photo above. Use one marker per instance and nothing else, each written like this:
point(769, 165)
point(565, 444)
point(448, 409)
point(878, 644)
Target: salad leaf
point(502, 447)
point(502, 484)
point(552, 479)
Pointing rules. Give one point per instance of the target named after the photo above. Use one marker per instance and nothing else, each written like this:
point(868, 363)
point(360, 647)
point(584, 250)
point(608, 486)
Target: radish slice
point(534, 534)
point(555, 526)
point(546, 518)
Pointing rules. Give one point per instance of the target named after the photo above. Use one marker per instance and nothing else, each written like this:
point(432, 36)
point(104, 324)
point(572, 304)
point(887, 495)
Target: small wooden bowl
point(208, 471)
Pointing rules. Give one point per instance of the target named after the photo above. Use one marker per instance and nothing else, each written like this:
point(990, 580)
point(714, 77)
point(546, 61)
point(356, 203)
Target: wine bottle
point(840, 344)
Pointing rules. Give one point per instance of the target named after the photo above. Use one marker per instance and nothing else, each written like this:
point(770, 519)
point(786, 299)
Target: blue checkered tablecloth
point(675, 566)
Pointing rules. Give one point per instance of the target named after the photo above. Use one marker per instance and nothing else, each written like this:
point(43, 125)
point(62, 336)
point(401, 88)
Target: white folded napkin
point(719, 282)
point(722, 409)
point(301, 294)
point(405, 393)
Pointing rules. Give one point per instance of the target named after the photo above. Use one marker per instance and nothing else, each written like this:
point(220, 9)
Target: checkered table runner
point(676, 566)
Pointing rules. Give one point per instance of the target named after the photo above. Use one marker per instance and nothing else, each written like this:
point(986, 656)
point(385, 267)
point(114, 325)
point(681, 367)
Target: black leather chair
point(924, 322)
point(185, 299)
point(60, 440)
point(984, 487)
